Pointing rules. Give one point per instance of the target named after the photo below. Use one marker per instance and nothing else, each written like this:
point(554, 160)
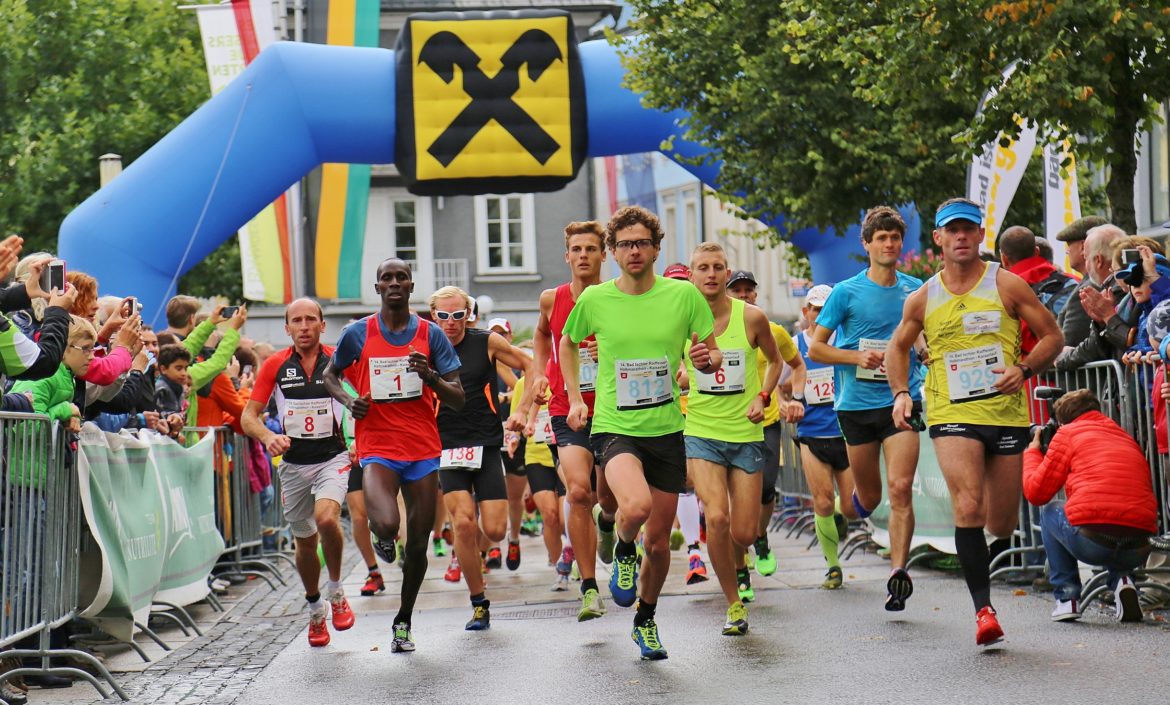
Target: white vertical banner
point(221, 45)
point(994, 177)
point(1062, 199)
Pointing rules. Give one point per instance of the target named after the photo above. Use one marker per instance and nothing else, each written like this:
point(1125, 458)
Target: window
point(505, 234)
point(398, 224)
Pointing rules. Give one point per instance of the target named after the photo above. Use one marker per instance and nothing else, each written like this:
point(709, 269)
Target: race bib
point(819, 386)
point(391, 380)
point(642, 384)
point(587, 373)
point(730, 378)
point(878, 375)
point(969, 374)
point(462, 458)
point(543, 433)
point(308, 418)
point(978, 322)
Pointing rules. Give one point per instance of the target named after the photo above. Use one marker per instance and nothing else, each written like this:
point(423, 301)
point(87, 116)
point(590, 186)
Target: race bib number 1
point(391, 379)
point(969, 372)
point(587, 371)
point(878, 375)
point(730, 378)
point(642, 384)
point(308, 418)
point(462, 458)
point(818, 386)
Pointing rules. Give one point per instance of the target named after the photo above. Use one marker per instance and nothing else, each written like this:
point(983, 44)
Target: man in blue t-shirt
point(864, 310)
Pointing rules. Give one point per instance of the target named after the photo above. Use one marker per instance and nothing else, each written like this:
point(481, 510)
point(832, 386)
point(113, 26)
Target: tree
point(822, 108)
point(217, 275)
point(81, 78)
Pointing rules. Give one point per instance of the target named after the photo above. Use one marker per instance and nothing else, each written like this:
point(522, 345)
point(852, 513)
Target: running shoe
point(1066, 611)
point(987, 629)
point(737, 624)
point(842, 526)
point(529, 527)
point(676, 539)
point(697, 571)
point(374, 585)
point(513, 560)
point(495, 558)
point(1128, 606)
point(386, 550)
point(342, 614)
point(562, 583)
point(899, 587)
point(646, 637)
point(403, 641)
point(565, 564)
point(592, 606)
point(605, 539)
point(574, 572)
point(318, 631)
point(454, 573)
point(765, 559)
point(440, 547)
point(481, 617)
point(833, 579)
point(746, 593)
point(623, 581)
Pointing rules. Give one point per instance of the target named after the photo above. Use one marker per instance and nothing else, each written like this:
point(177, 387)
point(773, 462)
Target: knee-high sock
point(827, 537)
point(973, 557)
point(688, 517)
point(566, 541)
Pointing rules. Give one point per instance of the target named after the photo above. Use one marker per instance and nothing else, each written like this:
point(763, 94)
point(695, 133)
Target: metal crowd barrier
point(795, 506)
point(40, 510)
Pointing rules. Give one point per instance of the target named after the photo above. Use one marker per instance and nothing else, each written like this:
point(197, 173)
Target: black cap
point(742, 275)
point(1079, 229)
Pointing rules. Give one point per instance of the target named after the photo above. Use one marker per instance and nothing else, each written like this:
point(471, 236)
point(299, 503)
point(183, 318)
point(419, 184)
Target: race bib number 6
point(730, 378)
point(462, 458)
point(392, 380)
point(642, 384)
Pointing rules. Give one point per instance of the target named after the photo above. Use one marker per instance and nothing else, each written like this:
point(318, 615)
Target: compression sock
point(688, 517)
point(588, 584)
point(862, 512)
point(973, 557)
point(645, 612)
point(374, 569)
point(478, 599)
point(828, 539)
point(625, 549)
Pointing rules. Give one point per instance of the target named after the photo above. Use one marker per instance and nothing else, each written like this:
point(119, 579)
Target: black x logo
point(491, 98)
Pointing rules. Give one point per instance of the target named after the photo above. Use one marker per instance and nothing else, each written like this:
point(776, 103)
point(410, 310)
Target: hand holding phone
point(53, 276)
point(1130, 256)
point(229, 312)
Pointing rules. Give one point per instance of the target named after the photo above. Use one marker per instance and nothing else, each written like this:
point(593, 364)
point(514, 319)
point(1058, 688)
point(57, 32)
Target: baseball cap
point(959, 210)
point(1134, 273)
point(1158, 322)
point(818, 295)
point(677, 270)
point(500, 323)
point(1078, 230)
point(742, 275)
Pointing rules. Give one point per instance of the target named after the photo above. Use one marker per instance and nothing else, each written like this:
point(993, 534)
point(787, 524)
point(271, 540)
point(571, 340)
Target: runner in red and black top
point(584, 253)
point(472, 471)
point(399, 365)
point(314, 472)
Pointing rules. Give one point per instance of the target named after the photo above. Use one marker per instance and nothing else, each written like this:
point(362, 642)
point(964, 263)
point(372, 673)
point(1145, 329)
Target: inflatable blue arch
point(312, 104)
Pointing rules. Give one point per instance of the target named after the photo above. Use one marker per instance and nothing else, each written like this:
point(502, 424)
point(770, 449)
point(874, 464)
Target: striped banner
point(345, 188)
point(233, 35)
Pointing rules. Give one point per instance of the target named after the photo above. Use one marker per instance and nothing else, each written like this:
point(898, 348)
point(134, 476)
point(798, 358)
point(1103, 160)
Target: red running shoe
point(454, 572)
point(318, 632)
point(987, 629)
point(374, 585)
point(513, 560)
point(495, 558)
point(342, 614)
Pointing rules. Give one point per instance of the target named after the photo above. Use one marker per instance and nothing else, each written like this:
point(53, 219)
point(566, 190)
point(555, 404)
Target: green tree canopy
point(822, 108)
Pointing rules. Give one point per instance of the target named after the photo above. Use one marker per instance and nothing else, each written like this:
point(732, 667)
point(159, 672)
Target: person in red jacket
point(1110, 511)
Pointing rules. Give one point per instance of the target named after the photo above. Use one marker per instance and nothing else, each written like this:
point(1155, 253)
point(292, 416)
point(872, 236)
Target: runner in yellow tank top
point(970, 313)
point(724, 436)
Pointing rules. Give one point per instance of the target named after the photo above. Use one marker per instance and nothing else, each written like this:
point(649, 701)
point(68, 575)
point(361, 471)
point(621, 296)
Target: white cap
point(818, 295)
point(500, 323)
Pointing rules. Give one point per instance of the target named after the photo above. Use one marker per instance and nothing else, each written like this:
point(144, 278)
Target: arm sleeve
point(127, 399)
point(1044, 474)
point(266, 380)
point(225, 394)
point(194, 342)
point(1074, 321)
point(443, 356)
point(14, 297)
point(61, 411)
point(349, 346)
point(203, 372)
point(104, 370)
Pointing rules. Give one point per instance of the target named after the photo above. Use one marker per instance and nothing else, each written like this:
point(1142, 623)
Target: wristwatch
point(798, 396)
point(1025, 369)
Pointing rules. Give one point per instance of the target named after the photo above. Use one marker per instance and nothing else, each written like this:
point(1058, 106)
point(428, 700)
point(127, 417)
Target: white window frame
point(380, 241)
point(527, 235)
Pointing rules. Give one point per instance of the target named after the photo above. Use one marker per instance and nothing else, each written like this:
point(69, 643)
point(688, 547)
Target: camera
point(1047, 431)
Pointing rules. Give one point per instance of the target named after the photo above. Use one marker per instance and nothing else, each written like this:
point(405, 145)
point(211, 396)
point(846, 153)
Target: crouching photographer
point(1110, 511)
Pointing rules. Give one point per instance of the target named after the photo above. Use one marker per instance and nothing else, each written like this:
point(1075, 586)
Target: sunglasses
point(451, 315)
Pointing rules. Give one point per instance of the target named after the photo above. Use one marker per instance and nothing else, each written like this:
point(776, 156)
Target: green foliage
point(820, 109)
point(81, 78)
point(217, 275)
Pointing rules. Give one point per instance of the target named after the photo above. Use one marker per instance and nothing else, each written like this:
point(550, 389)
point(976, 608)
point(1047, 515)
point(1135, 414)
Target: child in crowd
point(169, 392)
point(54, 395)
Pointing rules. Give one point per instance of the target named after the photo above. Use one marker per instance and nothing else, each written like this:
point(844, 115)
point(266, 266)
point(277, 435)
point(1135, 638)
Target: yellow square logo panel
point(493, 98)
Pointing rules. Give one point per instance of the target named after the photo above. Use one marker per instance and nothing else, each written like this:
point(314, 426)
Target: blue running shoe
point(646, 637)
point(623, 581)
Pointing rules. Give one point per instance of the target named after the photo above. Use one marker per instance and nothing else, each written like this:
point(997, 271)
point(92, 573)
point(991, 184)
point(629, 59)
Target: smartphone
point(132, 306)
point(53, 276)
point(1130, 257)
point(247, 370)
point(229, 311)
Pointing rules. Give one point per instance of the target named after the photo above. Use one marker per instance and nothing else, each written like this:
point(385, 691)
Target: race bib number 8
point(878, 375)
point(462, 458)
point(588, 370)
point(819, 386)
point(969, 372)
point(730, 378)
point(642, 384)
point(308, 418)
point(391, 379)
